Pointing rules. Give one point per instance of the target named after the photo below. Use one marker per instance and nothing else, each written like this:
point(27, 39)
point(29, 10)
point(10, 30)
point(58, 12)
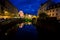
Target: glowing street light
point(30, 16)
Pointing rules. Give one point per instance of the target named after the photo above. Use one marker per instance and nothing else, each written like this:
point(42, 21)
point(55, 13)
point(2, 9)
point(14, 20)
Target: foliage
point(43, 15)
point(27, 20)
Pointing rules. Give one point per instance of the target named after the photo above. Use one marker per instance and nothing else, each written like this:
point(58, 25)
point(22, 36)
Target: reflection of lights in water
point(21, 25)
point(29, 23)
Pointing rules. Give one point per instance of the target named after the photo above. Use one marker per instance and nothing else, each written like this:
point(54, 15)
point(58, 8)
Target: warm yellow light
point(6, 12)
point(34, 17)
point(21, 25)
point(1, 16)
point(5, 17)
point(30, 16)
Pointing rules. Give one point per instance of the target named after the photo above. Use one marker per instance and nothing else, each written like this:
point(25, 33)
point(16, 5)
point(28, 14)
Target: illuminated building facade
point(10, 7)
point(0, 9)
point(7, 9)
point(50, 8)
point(54, 10)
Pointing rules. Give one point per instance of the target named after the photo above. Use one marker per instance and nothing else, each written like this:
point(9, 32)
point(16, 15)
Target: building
point(51, 8)
point(44, 6)
point(7, 9)
point(0, 8)
point(54, 10)
point(10, 7)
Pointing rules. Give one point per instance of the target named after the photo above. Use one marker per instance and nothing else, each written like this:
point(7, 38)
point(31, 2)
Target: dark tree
point(43, 15)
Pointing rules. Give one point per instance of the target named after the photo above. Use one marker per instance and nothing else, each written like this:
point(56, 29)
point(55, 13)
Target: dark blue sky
point(29, 6)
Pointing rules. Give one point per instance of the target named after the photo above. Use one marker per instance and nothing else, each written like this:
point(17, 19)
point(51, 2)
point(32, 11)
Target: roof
point(48, 2)
point(52, 6)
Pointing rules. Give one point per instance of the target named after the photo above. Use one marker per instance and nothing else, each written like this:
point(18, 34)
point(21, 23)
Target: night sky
point(29, 6)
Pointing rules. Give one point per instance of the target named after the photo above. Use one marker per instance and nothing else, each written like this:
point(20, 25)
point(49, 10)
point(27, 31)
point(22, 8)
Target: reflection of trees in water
point(9, 24)
point(8, 27)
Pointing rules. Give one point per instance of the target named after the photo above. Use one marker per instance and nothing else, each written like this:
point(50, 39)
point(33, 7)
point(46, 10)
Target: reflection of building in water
point(51, 8)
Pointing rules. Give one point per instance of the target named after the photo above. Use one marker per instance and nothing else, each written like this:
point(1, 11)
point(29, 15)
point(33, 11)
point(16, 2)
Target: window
point(53, 10)
point(56, 9)
point(50, 10)
point(56, 13)
point(52, 14)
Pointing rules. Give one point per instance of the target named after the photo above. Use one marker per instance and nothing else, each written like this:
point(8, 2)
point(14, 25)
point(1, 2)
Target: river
point(27, 32)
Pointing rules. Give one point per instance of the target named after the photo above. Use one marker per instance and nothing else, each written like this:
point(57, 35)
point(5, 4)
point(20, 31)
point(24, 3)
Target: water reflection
point(11, 30)
point(27, 32)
